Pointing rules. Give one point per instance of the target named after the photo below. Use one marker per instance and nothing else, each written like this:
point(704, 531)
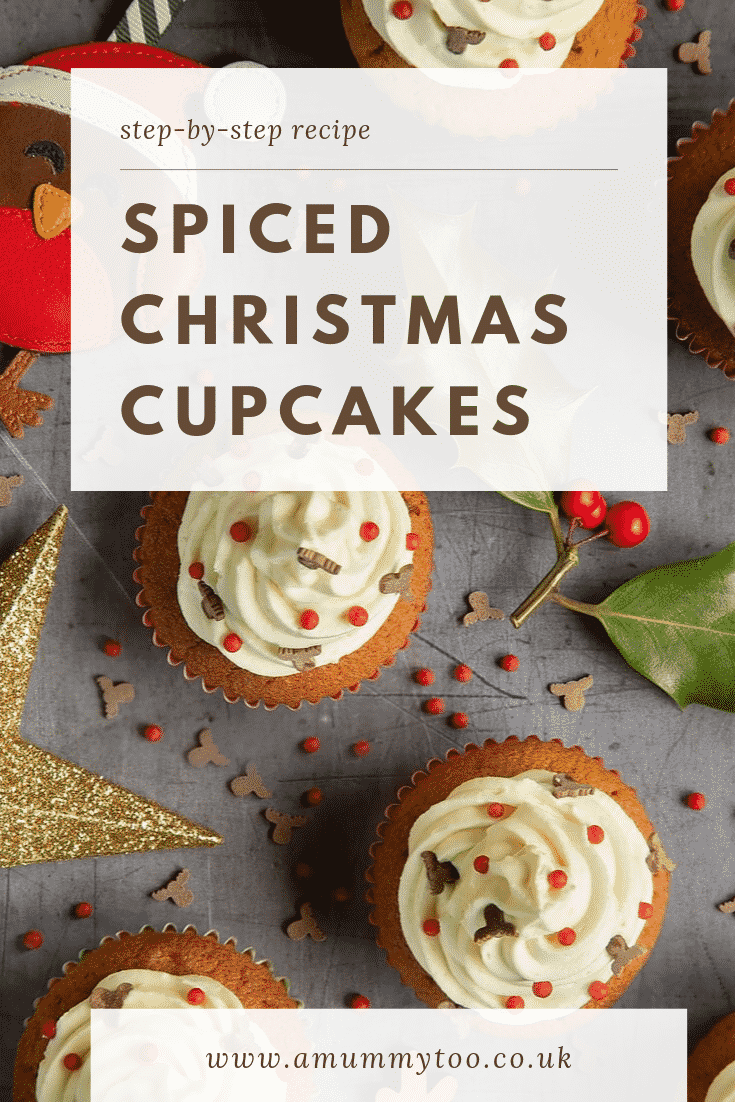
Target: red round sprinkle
point(645, 910)
point(431, 927)
point(696, 800)
point(459, 719)
point(674, 5)
point(425, 677)
point(369, 531)
point(196, 570)
point(311, 745)
point(83, 910)
point(542, 989)
point(72, 1062)
point(412, 541)
point(558, 878)
point(195, 996)
point(360, 1002)
point(402, 9)
point(481, 864)
point(313, 797)
point(342, 895)
point(112, 648)
point(434, 705)
point(509, 663)
point(515, 1002)
point(33, 939)
point(357, 616)
point(598, 991)
point(241, 532)
point(595, 835)
point(720, 435)
point(48, 1029)
point(153, 732)
point(232, 642)
point(567, 936)
point(303, 871)
point(547, 41)
point(309, 619)
point(361, 748)
point(462, 673)
point(509, 63)
point(730, 186)
point(496, 811)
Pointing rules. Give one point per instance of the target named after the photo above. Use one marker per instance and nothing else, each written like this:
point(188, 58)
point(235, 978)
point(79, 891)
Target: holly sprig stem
point(547, 589)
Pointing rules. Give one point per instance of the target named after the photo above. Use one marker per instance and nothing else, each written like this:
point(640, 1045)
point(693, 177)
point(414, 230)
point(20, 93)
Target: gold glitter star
point(51, 810)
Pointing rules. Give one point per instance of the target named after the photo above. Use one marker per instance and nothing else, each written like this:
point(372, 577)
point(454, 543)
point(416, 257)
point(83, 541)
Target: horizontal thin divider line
point(369, 169)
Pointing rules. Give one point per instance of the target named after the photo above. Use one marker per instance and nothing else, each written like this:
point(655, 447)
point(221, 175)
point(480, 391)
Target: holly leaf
point(541, 500)
point(676, 626)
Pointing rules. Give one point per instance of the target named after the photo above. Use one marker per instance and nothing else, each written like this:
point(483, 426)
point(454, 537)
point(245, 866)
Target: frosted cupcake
point(711, 1069)
point(518, 874)
point(284, 597)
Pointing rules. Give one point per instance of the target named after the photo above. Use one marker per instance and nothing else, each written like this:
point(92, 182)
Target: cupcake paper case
point(451, 834)
point(168, 951)
point(713, 1059)
point(159, 570)
point(697, 180)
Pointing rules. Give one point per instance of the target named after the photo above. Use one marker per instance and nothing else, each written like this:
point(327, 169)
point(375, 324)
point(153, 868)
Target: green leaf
point(541, 500)
point(676, 626)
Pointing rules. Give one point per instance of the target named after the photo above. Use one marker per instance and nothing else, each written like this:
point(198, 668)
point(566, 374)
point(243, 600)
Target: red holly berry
point(112, 648)
point(595, 834)
point(360, 1002)
point(720, 435)
point(459, 719)
point(496, 811)
point(72, 1062)
point(434, 706)
point(361, 748)
point(645, 910)
point(402, 9)
point(462, 673)
point(196, 570)
point(153, 732)
point(627, 524)
point(313, 797)
point(309, 619)
point(33, 939)
point(598, 991)
point(515, 1002)
point(509, 663)
point(412, 541)
point(311, 745)
point(589, 506)
point(730, 186)
point(232, 642)
point(509, 63)
point(696, 800)
point(431, 927)
point(241, 532)
point(195, 996)
point(542, 989)
point(357, 616)
point(481, 864)
point(48, 1029)
point(369, 531)
point(547, 41)
point(558, 878)
point(675, 5)
point(425, 677)
point(567, 936)
point(83, 910)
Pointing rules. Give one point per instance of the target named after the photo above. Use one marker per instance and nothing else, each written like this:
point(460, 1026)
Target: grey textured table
point(246, 887)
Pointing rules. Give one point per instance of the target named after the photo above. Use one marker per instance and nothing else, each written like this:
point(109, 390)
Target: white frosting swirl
point(512, 30)
point(150, 991)
point(713, 233)
point(265, 589)
point(722, 1087)
point(606, 884)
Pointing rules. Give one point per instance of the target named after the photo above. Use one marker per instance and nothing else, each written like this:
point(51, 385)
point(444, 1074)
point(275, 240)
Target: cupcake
point(148, 970)
point(702, 241)
point(518, 874)
point(284, 597)
point(540, 34)
point(711, 1068)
